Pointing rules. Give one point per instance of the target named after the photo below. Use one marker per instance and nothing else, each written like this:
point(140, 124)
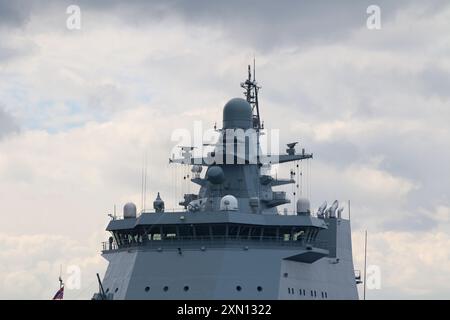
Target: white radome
point(228, 203)
point(129, 210)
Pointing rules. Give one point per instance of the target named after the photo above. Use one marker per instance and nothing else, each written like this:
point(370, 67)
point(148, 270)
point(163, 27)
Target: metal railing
point(216, 242)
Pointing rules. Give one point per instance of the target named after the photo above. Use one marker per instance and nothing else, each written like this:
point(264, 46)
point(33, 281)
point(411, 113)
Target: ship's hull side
point(230, 273)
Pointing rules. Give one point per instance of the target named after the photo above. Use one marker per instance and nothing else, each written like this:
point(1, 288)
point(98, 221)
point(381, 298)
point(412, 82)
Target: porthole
point(166, 288)
point(147, 289)
point(285, 274)
point(186, 288)
point(259, 288)
point(238, 288)
point(117, 289)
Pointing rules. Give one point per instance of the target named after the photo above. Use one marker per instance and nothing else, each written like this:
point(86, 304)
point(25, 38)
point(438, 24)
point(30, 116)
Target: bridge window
point(270, 232)
point(202, 231)
point(233, 230)
point(157, 236)
point(218, 230)
point(186, 231)
point(205, 231)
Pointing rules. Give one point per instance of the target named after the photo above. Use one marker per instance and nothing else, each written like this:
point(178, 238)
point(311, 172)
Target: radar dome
point(228, 203)
point(237, 113)
point(215, 175)
point(129, 210)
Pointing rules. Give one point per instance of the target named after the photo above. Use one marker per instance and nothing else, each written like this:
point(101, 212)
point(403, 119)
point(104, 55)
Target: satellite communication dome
point(237, 113)
point(215, 175)
point(228, 203)
point(129, 210)
point(303, 206)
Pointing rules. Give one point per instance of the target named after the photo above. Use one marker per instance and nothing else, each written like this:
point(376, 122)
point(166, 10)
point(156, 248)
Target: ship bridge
point(185, 230)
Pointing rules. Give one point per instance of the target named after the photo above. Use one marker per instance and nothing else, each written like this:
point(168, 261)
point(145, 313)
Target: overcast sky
point(79, 108)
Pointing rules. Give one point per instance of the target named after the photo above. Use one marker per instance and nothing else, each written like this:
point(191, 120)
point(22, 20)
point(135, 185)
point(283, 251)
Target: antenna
point(254, 69)
point(103, 295)
point(365, 264)
point(251, 93)
point(349, 210)
point(145, 180)
point(142, 188)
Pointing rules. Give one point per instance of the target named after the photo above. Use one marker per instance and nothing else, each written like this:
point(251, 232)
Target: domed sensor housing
point(215, 175)
point(237, 113)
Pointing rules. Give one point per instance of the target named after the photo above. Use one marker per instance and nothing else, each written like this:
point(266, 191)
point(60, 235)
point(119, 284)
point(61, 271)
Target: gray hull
point(217, 271)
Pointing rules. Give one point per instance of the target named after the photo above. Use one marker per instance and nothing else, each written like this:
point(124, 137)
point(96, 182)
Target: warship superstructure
point(230, 240)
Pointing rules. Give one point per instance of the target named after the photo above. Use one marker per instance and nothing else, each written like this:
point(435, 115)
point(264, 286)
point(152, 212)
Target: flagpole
point(61, 282)
point(365, 263)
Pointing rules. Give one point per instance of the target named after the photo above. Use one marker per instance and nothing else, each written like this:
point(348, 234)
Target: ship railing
point(216, 241)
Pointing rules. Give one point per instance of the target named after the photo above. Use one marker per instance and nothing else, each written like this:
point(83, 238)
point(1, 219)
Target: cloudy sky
point(80, 108)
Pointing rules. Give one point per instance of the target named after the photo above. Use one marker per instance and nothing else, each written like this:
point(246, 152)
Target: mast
point(251, 93)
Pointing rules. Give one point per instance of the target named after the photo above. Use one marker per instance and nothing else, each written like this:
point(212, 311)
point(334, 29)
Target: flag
point(59, 295)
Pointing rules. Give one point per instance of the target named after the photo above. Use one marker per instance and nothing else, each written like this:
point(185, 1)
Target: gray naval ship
point(231, 241)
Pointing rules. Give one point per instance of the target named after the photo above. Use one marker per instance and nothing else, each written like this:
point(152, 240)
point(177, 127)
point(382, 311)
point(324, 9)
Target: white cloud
point(31, 265)
point(414, 265)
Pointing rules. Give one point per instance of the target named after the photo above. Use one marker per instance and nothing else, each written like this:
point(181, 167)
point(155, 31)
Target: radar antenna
point(251, 93)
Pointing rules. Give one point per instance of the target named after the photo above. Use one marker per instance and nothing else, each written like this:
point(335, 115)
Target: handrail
point(216, 241)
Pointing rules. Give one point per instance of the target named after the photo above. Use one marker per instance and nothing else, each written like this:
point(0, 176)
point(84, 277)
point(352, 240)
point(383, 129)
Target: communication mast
point(251, 93)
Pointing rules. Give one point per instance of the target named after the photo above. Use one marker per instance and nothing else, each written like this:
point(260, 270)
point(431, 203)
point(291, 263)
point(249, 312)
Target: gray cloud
point(265, 25)
point(7, 123)
point(436, 82)
point(261, 25)
point(412, 222)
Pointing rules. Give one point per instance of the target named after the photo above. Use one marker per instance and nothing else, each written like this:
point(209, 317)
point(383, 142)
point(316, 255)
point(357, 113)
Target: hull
point(225, 272)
